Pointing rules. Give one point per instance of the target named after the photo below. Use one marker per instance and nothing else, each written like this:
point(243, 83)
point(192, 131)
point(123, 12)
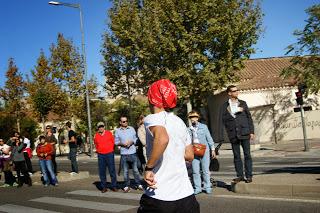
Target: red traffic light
point(298, 94)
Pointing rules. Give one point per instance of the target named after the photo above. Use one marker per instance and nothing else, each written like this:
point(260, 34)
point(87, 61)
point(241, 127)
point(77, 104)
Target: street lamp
point(77, 6)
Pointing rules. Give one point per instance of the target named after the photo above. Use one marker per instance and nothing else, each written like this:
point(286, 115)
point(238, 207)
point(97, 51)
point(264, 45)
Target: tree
point(13, 92)
point(306, 69)
point(68, 72)
point(44, 94)
point(199, 45)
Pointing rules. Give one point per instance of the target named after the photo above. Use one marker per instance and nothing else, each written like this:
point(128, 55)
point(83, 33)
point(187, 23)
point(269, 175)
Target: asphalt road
point(82, 195)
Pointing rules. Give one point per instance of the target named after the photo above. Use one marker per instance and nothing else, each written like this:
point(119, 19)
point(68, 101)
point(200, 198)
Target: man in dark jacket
point(236, 118)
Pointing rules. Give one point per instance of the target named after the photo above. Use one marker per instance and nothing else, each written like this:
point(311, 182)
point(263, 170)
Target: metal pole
point(86, 82)
point(306, 146)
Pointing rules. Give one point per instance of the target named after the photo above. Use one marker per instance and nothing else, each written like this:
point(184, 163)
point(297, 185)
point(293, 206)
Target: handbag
point(199, 149)
point(214, 165)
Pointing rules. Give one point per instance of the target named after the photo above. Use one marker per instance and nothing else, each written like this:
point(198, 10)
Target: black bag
point(214, 165)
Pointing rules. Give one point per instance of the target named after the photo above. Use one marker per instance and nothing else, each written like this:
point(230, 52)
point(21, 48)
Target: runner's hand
point(149, 178)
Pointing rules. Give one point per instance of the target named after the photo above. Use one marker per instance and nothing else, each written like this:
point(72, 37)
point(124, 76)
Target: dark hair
point(123, 116)
point(230, 87)
point(68, 124)
point(41, 137)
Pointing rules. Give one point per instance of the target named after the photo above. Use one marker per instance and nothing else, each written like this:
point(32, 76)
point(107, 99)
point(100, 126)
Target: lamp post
point(77, 6)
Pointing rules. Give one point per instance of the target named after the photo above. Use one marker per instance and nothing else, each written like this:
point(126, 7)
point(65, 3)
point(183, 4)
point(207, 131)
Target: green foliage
point(199, 45)
point(29, 127)
point(68, 73)
point(12, 93)
point(306, 69)
point(44, 94)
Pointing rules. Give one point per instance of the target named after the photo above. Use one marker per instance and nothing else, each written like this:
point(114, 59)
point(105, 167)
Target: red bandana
point(163, 94)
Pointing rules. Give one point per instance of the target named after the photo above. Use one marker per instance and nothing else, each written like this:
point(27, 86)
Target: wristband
point(148, 168)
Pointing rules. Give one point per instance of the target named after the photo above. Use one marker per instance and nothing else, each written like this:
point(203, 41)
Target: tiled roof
point(264, 73)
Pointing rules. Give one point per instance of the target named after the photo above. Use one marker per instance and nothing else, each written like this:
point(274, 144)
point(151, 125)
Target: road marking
point(268, 198)
point(280, 166)
point(111, 207)
point(10, 208)
point(129, 196)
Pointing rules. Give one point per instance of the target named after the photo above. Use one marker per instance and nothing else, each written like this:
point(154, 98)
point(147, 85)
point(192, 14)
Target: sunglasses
point(234, 90)
point(124, 122)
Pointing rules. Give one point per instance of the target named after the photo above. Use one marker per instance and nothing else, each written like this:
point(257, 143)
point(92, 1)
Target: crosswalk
point(82, 205)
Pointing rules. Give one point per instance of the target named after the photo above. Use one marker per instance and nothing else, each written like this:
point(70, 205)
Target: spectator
point(27, 152)
point(236, 118)
point(104, 143)
point(5, 165)
point(52, 140)
point(126, 138)
point(73, 149)
point(200, 134)
point(141, 151)
point(20, 163)
point(44, 152)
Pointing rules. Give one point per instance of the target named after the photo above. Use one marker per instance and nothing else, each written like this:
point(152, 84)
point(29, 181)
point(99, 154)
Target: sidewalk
point(292, 182)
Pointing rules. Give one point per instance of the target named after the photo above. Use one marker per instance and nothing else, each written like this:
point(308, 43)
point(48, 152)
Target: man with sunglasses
point(237, 120)
point(126, 137)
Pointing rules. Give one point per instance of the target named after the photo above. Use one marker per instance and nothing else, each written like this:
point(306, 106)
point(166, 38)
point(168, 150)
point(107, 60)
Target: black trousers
point(28, 162)
point(247, 158)
point(54, 163)
point(185, 205)
point(20, 167)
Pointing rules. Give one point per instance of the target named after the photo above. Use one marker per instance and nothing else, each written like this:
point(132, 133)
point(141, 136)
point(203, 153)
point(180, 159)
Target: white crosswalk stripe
point(10, 208)
point(119, 195)
point(111, 207)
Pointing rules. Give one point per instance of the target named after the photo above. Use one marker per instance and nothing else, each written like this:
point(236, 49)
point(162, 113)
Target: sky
point(27, 26)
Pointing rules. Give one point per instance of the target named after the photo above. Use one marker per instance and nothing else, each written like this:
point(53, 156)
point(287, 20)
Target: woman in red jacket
point(44, 152)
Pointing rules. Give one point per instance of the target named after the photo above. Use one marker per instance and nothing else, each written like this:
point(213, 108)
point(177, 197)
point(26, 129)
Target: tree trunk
point(189, 109)
point(43, 124)
point(18, 122)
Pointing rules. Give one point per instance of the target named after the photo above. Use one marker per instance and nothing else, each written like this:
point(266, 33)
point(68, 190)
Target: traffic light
point(299, 98)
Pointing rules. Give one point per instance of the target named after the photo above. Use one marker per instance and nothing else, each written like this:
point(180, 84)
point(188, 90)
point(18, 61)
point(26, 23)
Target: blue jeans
point(125, 160)
point(104, 161)
point(73, 159)
point(46, 167)
point(247, 158)
point(204, 162)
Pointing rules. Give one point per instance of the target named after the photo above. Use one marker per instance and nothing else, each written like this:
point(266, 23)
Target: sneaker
point(238, 179)
point(126, 189)
point(5, 185)
point(104, 190)
point(114, 189)
point(56, 184)
point(249, 180)
point(15, 184)
point(30, 174)
point(46, 185)
point(73, 173)
point(140, 187)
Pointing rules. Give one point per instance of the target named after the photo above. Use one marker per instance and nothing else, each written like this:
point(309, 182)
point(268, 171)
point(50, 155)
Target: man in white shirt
point(168, 146)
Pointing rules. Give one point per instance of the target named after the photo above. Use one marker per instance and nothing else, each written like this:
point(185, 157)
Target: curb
point(291, 190)
point(62, 177)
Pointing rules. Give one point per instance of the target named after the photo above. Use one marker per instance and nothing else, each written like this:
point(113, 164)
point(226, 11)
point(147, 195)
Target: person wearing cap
point(200, 134)
point(104, 142)
point(168, 147)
